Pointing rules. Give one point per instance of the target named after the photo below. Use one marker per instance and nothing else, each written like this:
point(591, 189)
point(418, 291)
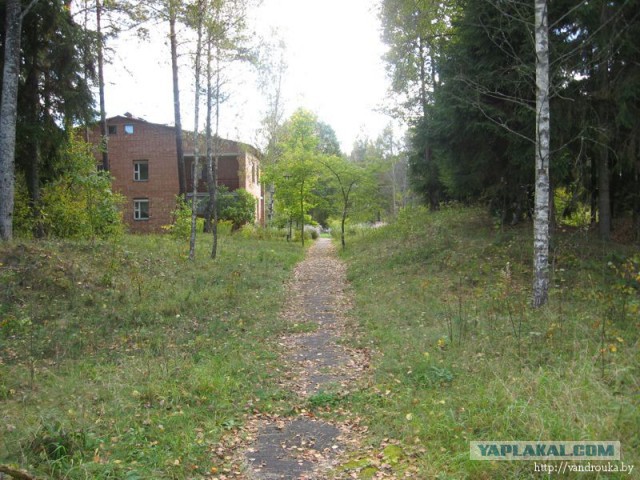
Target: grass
point(459, 355)
point(124, 360)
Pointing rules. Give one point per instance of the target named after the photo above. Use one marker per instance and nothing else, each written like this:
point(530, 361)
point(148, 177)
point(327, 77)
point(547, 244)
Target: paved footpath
point(304, 447)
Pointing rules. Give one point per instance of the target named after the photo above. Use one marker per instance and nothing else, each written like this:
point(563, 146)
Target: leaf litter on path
point(317, 367)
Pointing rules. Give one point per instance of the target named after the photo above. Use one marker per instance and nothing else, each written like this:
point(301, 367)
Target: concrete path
point(304, 447)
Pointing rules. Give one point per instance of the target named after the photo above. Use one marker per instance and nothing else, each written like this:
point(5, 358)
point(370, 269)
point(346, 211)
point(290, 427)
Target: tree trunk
point(604, 176)
point(33, 129)
point(636, 200)
point(33, 146)
point(182, 177)
point(604, 192)
point(541, 212)
point(196, 152)
point(103, 113)
point(216, 157)
point(593, 194)
point(8, 116)
point(432, 185)
point(302, 212)
point(208, 140)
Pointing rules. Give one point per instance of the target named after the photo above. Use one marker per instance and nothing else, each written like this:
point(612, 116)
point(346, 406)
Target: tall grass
point(459, 355)
point(125, 360)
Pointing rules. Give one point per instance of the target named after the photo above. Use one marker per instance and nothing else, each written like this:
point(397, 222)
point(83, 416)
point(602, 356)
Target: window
point(141, 170)
point(112, 129)
point(141, 209)
point(128, 129)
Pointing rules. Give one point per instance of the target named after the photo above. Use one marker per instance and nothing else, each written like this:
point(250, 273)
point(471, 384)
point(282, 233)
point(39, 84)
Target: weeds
point(140, 359)
point(462, 356)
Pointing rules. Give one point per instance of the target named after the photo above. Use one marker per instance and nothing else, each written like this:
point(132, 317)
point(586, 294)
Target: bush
point(23, 218)
point(180, 229)
point(238, 206)
point(80, 202)
point(311, 231)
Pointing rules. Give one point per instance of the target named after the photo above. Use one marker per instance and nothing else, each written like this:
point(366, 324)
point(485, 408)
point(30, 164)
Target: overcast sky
point(333, 52)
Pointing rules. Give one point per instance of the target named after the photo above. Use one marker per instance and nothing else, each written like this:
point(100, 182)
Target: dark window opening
point(141, 170)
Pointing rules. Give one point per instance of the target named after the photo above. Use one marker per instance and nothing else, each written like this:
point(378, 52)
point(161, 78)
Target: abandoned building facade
point(143, 163)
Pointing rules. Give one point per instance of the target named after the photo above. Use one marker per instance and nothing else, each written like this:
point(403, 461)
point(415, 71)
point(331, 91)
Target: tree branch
point(28, 8)
point(12, 472)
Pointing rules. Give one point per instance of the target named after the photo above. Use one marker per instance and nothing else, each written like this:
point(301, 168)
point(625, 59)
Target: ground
point(315, 363)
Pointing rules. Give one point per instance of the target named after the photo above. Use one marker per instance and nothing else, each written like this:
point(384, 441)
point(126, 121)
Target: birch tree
point(225, 23)
point(542, 153)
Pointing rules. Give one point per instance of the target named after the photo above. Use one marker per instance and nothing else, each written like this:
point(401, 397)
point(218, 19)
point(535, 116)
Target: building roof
point(229, 146)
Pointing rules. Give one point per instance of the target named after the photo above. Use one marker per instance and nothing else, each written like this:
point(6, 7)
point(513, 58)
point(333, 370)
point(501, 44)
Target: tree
point(198, 16)
point(54, 94)
point(416, 33)
point(14, 17)
point(346, 175)
point(295, 175)
point(225, 24)
point(384, 161)
point(172, 14)
point(103, 110)
point(272, 67)
point(542, 195)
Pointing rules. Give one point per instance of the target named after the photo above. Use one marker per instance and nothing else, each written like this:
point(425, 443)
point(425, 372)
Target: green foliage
point(235, 209)
point(463, 72)
point(80, 202)
point(23, 215)
point(572, 212)
point(180, 229)
point(460, 354)
point(141, 360)
point(238, 207)
point(385, 188)
point(295, 174)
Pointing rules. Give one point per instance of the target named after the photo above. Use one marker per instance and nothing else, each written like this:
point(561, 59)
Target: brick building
point(143, 162)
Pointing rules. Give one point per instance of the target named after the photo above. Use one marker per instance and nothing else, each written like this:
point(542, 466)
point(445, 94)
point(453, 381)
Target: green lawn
point(125, 360)
point(443, 299)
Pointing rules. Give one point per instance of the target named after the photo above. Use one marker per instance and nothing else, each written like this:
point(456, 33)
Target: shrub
point(23, 217)
point(180, 229)
point(238, 206)
point(80, 202)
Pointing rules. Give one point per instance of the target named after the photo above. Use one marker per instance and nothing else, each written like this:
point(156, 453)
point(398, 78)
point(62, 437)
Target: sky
point(334, 68)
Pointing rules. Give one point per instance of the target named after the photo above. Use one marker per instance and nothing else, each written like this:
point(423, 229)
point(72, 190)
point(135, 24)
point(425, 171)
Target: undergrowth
point(459, 354)
point(124, 360)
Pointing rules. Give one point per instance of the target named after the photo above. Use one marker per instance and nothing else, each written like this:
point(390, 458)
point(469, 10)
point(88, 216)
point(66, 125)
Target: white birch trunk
point(542, 193)
point(8, 116)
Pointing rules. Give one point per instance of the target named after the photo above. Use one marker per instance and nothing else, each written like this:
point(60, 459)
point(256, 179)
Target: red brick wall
point(156, 144)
